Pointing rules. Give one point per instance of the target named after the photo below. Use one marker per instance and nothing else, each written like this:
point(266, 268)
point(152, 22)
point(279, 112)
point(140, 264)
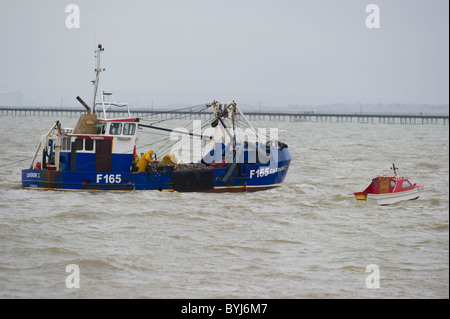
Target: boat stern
point(32, 178)
point(361, 197)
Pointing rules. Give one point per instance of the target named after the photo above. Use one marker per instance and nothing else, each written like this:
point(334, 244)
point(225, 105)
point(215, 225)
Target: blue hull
point(244, 177)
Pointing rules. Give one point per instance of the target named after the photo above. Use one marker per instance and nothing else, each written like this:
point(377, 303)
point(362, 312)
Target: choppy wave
point(306, 239)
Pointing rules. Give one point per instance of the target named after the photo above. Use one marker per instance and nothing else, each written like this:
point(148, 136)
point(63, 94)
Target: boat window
point(89, 144)
point(375, 183)
point(78, 144)
point(64, 144)
point(406, 184)
point(392, 184)
point(101, 128)
point(115, 129)
point(129, 128)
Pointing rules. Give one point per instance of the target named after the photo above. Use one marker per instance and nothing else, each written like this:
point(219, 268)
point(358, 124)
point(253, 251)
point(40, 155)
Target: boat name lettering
point(261, 172)
point(36, 175)
point(109, 178)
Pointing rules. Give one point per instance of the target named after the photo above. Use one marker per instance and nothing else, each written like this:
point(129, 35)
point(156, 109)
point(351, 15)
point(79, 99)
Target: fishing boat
point(386, 190)
point(102, 154)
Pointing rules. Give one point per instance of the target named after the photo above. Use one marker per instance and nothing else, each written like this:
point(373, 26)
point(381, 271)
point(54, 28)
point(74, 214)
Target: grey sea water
point(306, 239)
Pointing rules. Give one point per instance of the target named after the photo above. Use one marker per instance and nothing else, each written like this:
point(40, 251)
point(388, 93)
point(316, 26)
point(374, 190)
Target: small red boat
point(386, 190)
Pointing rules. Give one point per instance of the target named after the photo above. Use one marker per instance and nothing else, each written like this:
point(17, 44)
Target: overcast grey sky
point(279, 53)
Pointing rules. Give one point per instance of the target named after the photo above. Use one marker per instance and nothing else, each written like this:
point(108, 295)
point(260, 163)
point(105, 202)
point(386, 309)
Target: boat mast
point(97, 74)
point(233, 112)
point(220, 112)
point(395, 169)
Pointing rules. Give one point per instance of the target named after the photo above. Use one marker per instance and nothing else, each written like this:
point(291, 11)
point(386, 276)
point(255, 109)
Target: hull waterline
point(392, 198)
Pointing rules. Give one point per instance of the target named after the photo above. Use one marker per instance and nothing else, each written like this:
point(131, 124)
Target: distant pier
point(331, 117)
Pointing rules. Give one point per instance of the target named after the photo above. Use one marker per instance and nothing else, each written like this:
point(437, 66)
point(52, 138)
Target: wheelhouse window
point(375, 183)
point(406, 184)
point(78, 144)
point(101, 128)
point(392, 184)
point(129, 129)
point(65, 144)
point(115, 128)
point(88, 144)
